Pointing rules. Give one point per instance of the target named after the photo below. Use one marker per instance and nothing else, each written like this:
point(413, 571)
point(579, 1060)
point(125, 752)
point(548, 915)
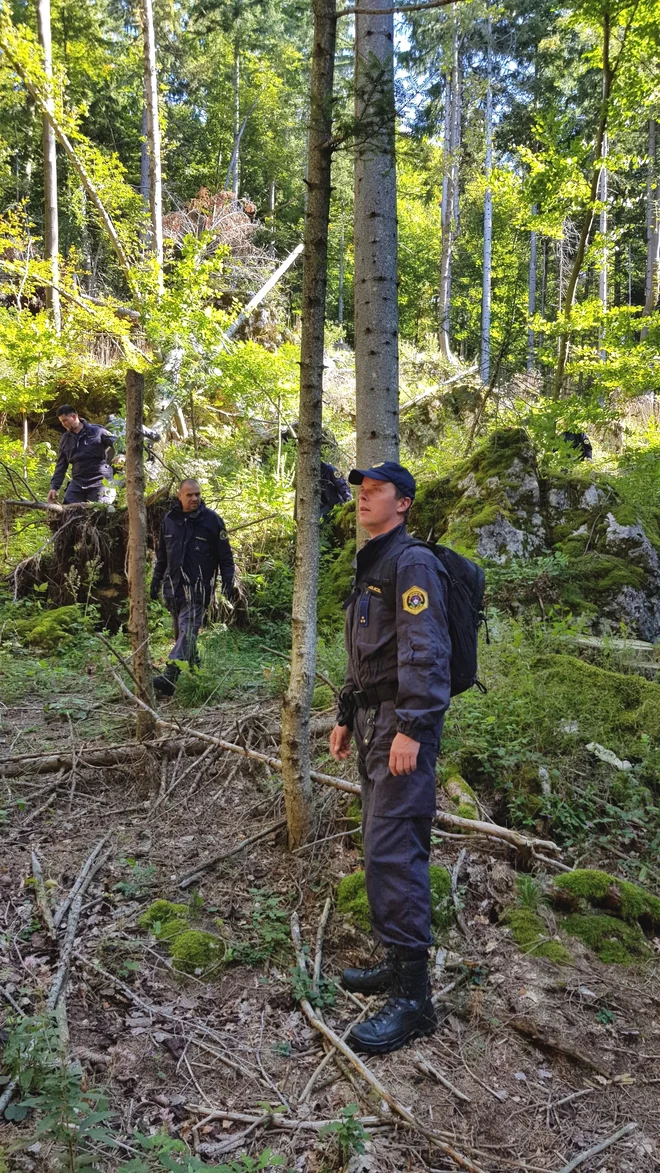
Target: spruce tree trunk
point(298, 698)
point(652, 290)
point(484, 367)
point(138, 627)
point(531, 296)
point(376, 272)
point(51, 220)
point(153, 134)
point(602, 226)
point(589, 213)
point(449, 196)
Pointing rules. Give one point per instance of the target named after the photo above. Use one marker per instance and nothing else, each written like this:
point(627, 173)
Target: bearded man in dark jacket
point(192, 550)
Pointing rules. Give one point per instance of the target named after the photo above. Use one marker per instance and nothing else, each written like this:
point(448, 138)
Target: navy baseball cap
point(388, 470)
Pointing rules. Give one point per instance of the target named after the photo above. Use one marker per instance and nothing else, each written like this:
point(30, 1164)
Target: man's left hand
point(403, 755)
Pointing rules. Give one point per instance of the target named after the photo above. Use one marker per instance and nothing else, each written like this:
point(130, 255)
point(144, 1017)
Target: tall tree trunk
point(237, 118)
point(589, 214)
point(651, 289)
point(153, 134)
point(449, 195)
point(138, 627)
point(602, 227)
point(144, 155)
point(531, 295)
point(376, 274)
point(51, 221)
point(484, 366)
point(298, 698)
point(342, 262)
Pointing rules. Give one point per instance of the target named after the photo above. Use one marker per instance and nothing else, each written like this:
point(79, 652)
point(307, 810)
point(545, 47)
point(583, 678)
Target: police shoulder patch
point(415, 600)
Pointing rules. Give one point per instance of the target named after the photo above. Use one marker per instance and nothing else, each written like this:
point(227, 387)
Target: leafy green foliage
point(303, 987)
point(268, 935)
point(348, 1133)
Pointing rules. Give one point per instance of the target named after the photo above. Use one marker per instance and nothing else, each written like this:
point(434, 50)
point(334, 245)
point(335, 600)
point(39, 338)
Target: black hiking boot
point(377, 979)
point(408, 1013)
point(166, 682)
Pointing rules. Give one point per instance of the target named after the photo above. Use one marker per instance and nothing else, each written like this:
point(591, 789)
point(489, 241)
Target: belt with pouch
point(367, 698)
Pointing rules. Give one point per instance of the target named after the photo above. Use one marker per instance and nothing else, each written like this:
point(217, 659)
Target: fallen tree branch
point(41, 895)
point(82, 881)
point(524, 843)
point(62, 975)
point(428, 1069)
point(190, 877)
point(455, 877)
point(113, 755)
point(318, 956)
point(459, 1159)
point(276, 1119)
point(548, 1040)
point(599, 1148)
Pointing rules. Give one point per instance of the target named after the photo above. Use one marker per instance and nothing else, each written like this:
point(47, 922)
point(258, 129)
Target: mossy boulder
point(612, 940)
point(461, 795)
point(196, 951)
point(160, 912)
point(531, 936)
point(588, 887)
point(442, 909)
point(352, 900)
point(51, 629)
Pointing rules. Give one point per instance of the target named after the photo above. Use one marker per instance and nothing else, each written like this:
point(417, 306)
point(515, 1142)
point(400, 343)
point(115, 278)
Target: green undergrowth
point(585, 886)
point(192, 950)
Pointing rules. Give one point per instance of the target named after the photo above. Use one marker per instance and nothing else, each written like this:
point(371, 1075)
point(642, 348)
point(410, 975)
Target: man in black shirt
point(83, 446)
point(193, 548)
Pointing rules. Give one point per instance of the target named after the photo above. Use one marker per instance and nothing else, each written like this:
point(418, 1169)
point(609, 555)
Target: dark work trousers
point(102, 493)
point(397, 814)
point(188, 618)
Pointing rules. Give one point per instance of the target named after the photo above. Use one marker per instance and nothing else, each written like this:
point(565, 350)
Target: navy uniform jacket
point(397, 633)
point(193, 547)
point(334, 488)
point(85, 451)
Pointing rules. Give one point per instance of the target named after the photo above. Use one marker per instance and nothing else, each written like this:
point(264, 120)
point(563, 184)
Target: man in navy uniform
point(334, 490)
point(193, 548)
point(83, 446)
point(396, 693)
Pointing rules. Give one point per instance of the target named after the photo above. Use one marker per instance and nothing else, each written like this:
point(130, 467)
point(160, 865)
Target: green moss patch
point(51, 629)
point(196, 951)
point(613, 941)
point(587, 886)
point(531, 936)
point(442, 909)
point(354, 819)
point(461, 795)
point(352, 900)
point(162, 911)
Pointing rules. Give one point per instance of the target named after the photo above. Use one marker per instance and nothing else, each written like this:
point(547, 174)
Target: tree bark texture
point(51, 220)
point(602, 227)
point(531, 295)
point(298, 698)
point(376, 270)
point(484, 366)
point(153, 134)
point(450, 198)
point(588, 219)
point(138, 627)
point(652, 291)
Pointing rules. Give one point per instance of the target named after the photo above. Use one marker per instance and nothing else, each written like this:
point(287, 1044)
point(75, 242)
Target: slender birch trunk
point(589, 213)
point(484, 368)
point(144, 155)
point(138, 627)
point(237, 118)
point(342, 262)
point(153, 135)
point(51, 219)
point(298, 699)
point(376, 272)
point(531, 295)
point(652, 282)
point(449, 196)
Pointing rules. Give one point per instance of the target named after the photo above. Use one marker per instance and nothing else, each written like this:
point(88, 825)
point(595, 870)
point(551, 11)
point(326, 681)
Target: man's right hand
point(340, 742)
point(52, 497)
point(154, 589)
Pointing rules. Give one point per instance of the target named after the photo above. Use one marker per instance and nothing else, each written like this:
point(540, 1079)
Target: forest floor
point(541, 1061)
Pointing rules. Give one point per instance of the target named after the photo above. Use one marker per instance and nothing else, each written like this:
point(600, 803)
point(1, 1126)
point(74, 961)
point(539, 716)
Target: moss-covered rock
point(442, 910)
point(461, 795)
point(612, 940)
point(162, 911)
point(531, 936)
point(51, 629)
point(352, 900)
point(589, 887)
point(195, 950)
point(354, 819)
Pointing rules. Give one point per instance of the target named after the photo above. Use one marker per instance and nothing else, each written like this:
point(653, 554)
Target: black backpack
point(465, 613)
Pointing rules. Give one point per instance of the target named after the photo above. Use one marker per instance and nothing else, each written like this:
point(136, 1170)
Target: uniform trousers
point(397, 815)
point(187, 618)
point(75, 493)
